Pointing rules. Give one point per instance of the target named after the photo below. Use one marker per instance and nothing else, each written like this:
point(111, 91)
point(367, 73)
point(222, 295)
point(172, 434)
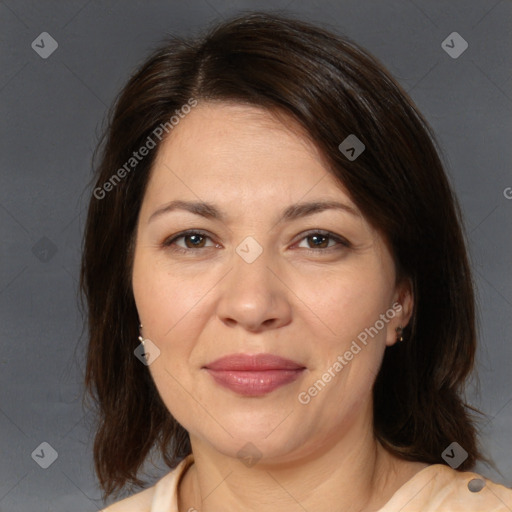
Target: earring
point(399, 330)
point(141, 339)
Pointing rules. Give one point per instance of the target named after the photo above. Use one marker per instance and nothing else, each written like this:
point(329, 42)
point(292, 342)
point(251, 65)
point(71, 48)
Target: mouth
point(253, 375)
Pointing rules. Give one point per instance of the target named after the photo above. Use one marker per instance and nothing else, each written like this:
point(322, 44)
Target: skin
point(308, 306)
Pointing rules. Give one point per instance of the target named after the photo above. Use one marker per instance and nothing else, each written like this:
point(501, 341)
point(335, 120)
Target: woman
point(278, 290)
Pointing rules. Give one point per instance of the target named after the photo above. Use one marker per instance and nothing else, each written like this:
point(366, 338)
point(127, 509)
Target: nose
point(254, 296)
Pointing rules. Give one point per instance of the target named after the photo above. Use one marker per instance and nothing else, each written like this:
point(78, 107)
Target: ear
point(403, 305)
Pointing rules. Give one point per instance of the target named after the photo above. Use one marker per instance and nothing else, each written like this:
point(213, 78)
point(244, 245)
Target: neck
point(353, 473)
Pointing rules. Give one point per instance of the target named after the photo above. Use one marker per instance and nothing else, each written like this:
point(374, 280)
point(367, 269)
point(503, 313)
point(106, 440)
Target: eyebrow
point(292, 212)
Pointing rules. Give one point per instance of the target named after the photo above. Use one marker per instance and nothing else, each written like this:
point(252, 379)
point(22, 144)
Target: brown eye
point(192, 240)
point(321, 240)
point(195, 240)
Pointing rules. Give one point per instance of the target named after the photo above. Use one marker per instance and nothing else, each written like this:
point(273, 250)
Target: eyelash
point(168, 243)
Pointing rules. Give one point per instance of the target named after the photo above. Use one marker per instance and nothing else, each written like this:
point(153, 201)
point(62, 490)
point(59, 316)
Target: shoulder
point(161, 496)
point(441, 488)
point(472, 492)
point(140, 502)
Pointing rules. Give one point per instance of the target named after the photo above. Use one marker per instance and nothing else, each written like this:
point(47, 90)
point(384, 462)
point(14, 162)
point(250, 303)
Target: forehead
point(226, 152)
point(231, 133)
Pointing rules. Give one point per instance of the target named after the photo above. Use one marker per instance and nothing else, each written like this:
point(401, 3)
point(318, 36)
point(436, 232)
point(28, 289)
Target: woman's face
point(260, 277)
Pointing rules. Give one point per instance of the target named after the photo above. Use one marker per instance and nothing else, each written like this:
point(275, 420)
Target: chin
point(266, 437)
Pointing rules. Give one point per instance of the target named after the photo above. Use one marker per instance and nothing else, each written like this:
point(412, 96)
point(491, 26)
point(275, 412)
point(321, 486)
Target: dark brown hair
point(332, 88)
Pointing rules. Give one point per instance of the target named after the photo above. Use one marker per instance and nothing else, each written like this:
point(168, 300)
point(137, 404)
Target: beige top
point(436, 488)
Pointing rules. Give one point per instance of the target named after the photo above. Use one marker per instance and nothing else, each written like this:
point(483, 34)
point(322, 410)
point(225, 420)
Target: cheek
point(173, 308)
point(165, 298)
point(346, 302)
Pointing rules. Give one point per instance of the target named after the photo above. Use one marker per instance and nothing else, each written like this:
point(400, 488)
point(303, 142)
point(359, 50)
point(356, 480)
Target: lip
point(253, 374)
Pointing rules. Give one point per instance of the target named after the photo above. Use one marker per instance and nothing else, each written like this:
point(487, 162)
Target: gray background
point(52, 111)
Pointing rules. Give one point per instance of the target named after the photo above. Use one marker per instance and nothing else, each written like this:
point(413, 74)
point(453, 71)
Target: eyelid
point(167, 243)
